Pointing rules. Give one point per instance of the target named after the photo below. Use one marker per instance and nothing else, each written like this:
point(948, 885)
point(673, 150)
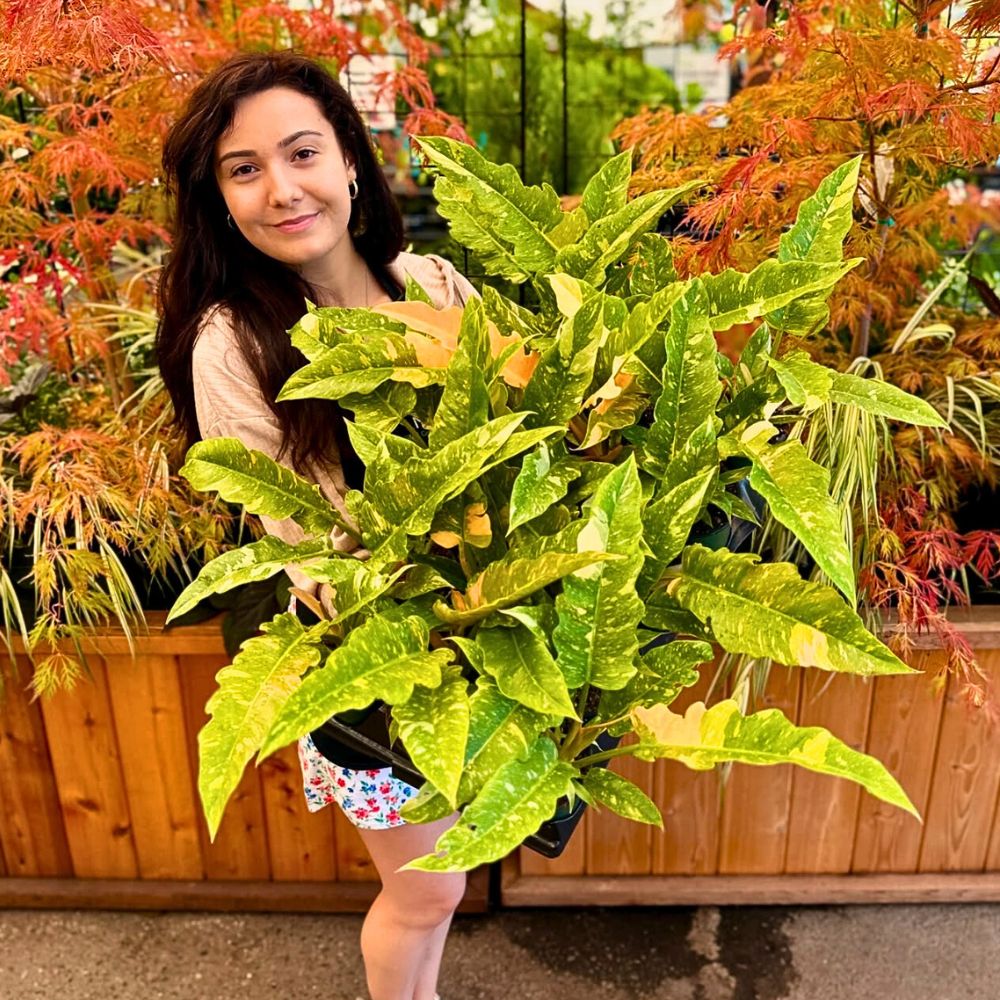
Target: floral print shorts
point(371, 799)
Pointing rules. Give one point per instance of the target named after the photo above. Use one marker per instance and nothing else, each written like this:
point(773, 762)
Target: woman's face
point(285, 179)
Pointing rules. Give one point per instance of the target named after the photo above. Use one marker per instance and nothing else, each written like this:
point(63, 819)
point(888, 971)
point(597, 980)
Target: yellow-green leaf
point(539, 484)
point(257, 561)
point(738, 297)
point(621, 796)
point(509, 580)
point(702, 738)
point(379, 661)
point(512, 805)
point(248, 477)
point(797, 491)
point(884, 400)
point(767, 610)
point(691, 386)
point(249, 697)
point(492, 211)
point(598, 608)
point(607, 239)
point(607, 190)
point(434, 727)
point(500, 730)
point(524, 670)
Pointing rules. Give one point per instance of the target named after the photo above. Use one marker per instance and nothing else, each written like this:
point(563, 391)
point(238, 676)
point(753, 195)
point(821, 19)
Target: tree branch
point(985, 81)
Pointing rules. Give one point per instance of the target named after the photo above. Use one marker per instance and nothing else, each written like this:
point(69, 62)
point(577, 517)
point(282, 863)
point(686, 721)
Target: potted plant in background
point(95, 526)
point(913, 89)
point(532, 479)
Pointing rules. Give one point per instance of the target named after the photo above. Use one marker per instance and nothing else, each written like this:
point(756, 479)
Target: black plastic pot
point(366, 733)
point(363, 734)
point(553, 835)
point(733, 533)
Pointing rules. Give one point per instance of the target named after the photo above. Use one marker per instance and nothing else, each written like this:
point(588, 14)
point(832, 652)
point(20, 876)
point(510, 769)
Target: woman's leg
point(403, 936)
point(426, 988)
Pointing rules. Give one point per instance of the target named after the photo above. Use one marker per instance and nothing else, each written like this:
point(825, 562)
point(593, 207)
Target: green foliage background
point(478, 77)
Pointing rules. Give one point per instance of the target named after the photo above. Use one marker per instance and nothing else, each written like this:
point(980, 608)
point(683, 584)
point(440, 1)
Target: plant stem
point(576, 741)
point(346, 528)
point(605, 725)
point(569, 748)
point(599, 758)
point(414, 433)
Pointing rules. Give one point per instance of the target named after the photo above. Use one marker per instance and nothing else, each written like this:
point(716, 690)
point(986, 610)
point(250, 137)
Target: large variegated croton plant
point(532, 480)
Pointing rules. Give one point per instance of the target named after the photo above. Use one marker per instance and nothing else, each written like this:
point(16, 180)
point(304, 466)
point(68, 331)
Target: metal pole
point(465, 108)
point(524, 91)
point(565, 103)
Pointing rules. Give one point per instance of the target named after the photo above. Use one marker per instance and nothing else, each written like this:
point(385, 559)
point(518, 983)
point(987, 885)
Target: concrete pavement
point(935, 952)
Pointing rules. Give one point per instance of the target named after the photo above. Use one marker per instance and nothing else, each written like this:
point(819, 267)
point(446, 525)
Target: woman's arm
point(229, 404)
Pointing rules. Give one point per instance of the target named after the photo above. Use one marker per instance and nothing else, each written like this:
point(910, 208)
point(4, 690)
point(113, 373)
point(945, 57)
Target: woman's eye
point(305, 154)
point(243, 170)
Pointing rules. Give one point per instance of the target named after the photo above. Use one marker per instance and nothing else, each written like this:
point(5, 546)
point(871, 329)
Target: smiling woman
point(279, 200)
point(290, 194)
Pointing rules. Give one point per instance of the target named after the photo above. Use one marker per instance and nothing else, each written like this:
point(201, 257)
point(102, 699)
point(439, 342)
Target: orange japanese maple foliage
point(88, 89)
point(915, 89)
point(917, 97)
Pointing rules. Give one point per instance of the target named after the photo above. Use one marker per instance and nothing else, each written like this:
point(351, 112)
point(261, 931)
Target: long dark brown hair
point(213, 264)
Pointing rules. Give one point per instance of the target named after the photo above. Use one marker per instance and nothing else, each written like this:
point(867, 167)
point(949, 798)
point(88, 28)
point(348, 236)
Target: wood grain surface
point(31, 825)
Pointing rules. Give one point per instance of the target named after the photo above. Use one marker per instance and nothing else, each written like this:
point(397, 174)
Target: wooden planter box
point(784, 835)
point(99, 808)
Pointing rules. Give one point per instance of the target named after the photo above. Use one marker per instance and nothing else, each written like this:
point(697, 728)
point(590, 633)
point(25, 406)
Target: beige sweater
point(229, 403)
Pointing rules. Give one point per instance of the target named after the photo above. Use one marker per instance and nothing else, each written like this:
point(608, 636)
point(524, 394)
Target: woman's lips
point(298, 224)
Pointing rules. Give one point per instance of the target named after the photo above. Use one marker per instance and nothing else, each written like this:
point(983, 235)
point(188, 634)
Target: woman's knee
point(425, 901)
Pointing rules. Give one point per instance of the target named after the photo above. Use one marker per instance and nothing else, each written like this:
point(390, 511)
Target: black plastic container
point(361, 737)
point(553, 835)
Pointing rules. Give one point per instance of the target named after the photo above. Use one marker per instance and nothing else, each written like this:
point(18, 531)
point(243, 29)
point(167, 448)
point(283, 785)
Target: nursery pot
point(553, 835)
point(733, 533)
point(366, 733)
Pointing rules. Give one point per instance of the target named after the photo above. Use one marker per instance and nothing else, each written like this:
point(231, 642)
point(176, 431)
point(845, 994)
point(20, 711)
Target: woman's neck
point(347, 282)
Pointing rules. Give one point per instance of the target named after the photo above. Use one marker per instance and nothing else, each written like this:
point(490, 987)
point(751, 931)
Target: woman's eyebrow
point(281, 145)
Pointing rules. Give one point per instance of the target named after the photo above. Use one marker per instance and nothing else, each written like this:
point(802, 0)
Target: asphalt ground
point(939, 952)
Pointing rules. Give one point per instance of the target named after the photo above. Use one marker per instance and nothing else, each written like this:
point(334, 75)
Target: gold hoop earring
point(352, 194)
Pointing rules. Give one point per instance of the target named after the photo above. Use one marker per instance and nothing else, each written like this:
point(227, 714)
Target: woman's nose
point(282, 189)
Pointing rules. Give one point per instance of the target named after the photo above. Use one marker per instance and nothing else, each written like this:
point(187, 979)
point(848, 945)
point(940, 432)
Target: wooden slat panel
point(301, 843)
point(990, 663)
point(978, 625)
point(993, 854)
point(203, 639)
point(903, 732)
point(31, 828)
point(227, 896)
point(88, 772)
point(149, 721)
point(689, 802)
point(615, 845)
point(751, 890)
point(353, 861)
point(756, 801)
point(824, 810)
point(965, 783)
point(240, 847)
